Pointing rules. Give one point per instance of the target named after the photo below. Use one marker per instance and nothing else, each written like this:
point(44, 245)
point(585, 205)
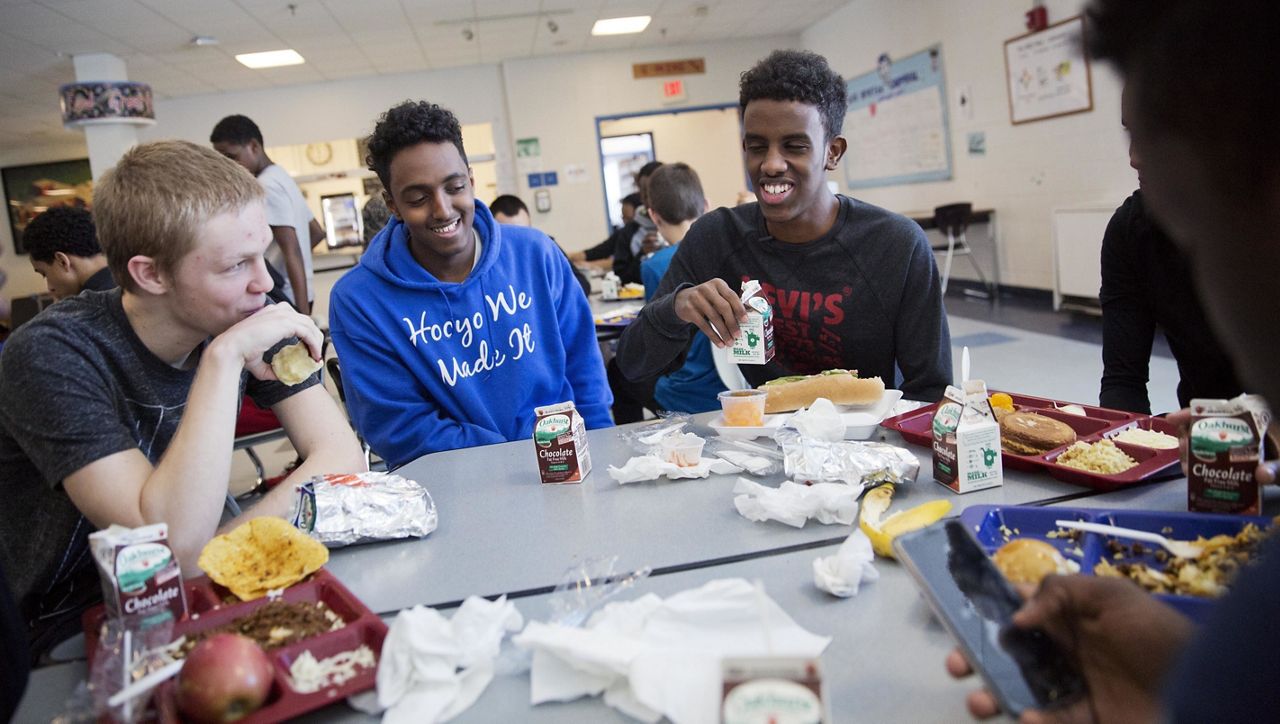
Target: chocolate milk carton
point(966, 440)
point(141, 580)
point(560, 439)
point(755, 345)
point(1225, 445)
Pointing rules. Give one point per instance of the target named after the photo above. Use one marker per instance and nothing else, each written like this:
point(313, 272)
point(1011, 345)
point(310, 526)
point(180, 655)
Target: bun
point(1026, 433)
point(1027, 560)
point(843, 387)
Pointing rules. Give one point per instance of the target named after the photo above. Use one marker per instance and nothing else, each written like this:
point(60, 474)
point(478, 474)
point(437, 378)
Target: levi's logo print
point(463, 345)
point(806, 326)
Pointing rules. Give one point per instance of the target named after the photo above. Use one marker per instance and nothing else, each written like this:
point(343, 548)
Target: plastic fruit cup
point(683, 450)
point(743, 408)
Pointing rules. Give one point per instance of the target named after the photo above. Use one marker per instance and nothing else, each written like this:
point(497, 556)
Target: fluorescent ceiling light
point(271, 58)
point(620, 26)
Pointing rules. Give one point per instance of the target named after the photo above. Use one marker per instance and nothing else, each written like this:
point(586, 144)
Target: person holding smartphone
point(1211, 174)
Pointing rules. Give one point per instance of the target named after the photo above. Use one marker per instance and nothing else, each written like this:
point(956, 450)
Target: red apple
point(226, 677)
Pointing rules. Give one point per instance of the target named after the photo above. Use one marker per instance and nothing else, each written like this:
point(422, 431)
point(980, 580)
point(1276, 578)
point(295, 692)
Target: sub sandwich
point(843, 387)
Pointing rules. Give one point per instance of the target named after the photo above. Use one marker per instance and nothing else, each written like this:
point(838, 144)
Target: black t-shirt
point(77, 385)
point(864, 296)
point(1146, 282)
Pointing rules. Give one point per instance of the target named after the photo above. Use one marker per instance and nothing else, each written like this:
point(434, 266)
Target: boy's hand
point(713, 308)
point(248, 339)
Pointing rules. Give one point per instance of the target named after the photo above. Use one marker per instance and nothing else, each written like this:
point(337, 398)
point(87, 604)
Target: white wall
point(1028, 169)
point(557, 99)
point(706, 140)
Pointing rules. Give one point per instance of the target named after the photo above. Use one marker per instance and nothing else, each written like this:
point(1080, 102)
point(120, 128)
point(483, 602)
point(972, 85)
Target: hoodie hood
point(389, 258)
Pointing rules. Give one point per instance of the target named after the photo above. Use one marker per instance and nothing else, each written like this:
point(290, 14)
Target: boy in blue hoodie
point(453, 328)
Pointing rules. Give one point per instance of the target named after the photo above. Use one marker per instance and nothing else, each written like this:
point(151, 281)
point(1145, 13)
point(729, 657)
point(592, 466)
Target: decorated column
point(107, 106)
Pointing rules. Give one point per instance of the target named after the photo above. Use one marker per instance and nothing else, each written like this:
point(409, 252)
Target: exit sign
point(673, 91)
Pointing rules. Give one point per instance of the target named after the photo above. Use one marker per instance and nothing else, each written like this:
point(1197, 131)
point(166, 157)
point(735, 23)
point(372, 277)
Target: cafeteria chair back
point(953, 221)
point(728, 370)
point(335, 373)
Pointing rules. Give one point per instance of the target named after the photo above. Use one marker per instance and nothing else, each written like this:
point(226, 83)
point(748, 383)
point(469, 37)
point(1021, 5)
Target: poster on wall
point(1048, 73)
point(31, 190)
point(896, 124)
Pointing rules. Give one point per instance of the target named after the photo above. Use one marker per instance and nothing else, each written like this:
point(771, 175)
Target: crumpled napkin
point(433, 668)
point(651, 657)
point(850, 567)
point(795, 504)
point(819, 421)
point(652, 467)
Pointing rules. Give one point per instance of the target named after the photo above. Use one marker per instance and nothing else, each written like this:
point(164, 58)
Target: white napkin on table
point(850, 567)
point(795, 504)
point(652, 467)
point(819, 421)
point(433, 668)
point(651, 657)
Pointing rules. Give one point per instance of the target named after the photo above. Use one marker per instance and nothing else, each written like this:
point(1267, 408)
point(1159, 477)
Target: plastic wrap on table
point(124, 653)
point(588, 586)
point(646, 438)
point(856, 463)
point(340, 510)
point(751, 457)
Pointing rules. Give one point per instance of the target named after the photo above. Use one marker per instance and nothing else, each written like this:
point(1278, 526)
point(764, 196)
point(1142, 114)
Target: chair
point(953, 221)
point(728, 370)
point(335, 372)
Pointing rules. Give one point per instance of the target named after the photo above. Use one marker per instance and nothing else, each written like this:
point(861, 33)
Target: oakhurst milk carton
point(1224, 448)
point(966, 440)
point(755, 345)
point(141, 580)
point(560, 439)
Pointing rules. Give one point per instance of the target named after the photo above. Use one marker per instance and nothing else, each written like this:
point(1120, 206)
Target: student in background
point(852, 286)
point(453, 328)
point(509, 209)
point(1211, 177)
point(118, 407)
point(676, 200)
point(1146, 284)
point(294, 230)
point(635, 239)
point(64, 250)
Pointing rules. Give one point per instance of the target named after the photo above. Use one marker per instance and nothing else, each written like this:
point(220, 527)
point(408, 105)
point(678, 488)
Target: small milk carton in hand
point(966, 440)
point(754, 346)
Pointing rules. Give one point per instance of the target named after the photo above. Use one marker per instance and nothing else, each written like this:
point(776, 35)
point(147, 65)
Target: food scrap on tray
point(1102, 457)
point(1210, 574)
point(307, 675)
point(272, 625)
point(1029, 433)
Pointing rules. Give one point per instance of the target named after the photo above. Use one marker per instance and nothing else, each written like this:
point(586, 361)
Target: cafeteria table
point(503, 532)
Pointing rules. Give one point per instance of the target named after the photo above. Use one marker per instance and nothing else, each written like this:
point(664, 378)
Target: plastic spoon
point(964, 365)
point(1180, 548)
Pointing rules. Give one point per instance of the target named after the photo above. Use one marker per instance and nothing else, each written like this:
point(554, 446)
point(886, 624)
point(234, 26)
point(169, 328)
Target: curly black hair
point(409, 124)
point(66, 229)
point(236, 129)
point(797, 75)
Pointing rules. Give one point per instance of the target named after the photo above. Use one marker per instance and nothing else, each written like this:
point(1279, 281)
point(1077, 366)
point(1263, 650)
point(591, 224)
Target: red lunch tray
point(206, 610)
point(916, 427)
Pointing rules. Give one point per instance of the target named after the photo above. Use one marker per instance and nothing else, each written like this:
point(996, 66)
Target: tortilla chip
point(261, 555)
point(293, 364)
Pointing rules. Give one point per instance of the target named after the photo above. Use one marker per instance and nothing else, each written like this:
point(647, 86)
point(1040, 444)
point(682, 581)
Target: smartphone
point(1023, 668)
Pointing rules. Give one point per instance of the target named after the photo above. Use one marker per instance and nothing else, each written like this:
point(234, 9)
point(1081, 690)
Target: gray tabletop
point(502, 531)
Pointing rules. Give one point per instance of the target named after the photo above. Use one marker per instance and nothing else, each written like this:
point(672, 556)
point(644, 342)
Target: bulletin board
point(1048, 73)
point(897, 125)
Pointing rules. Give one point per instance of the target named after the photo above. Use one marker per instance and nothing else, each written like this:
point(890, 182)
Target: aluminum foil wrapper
point(856, 463)
point(340, 510)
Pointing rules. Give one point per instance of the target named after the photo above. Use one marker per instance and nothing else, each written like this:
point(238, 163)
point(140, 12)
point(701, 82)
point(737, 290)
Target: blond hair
point(155, 200)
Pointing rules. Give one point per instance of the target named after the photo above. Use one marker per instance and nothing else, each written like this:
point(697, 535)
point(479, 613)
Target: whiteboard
point(896, 124)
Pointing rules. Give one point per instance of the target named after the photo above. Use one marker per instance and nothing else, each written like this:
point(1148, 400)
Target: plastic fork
point(1179, 548)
